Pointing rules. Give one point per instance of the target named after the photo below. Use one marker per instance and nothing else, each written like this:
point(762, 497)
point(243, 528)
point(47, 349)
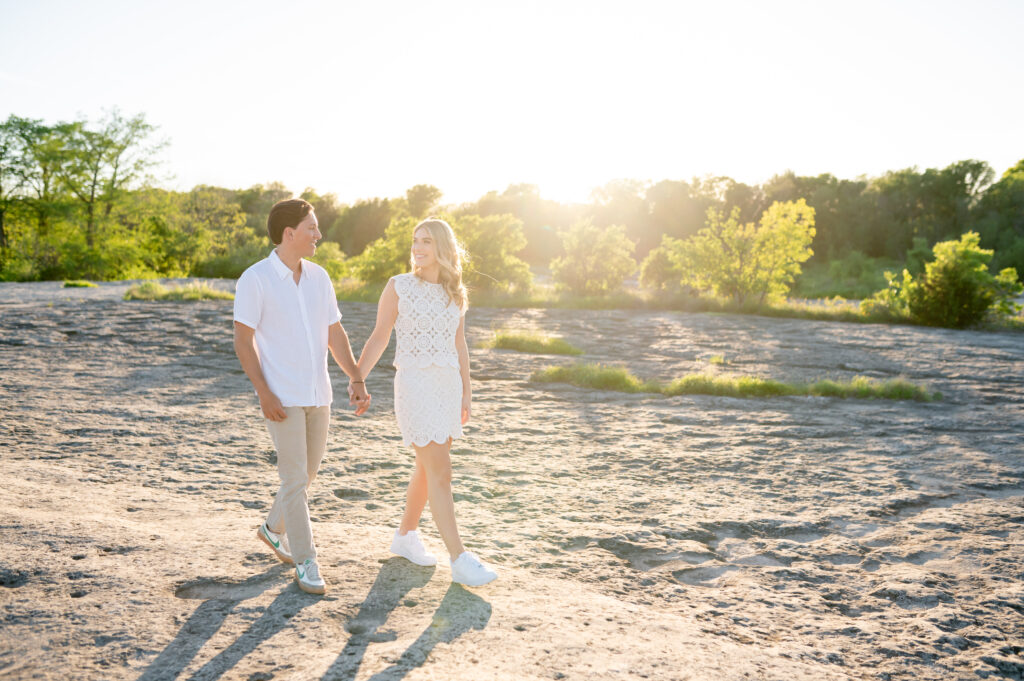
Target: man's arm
point(245, 348)
point(341, 350)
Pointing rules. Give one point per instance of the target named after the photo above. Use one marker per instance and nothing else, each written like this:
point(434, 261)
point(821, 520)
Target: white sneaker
point(308, 577)
point(411, 547)
point(278, 543)
point(469, 571)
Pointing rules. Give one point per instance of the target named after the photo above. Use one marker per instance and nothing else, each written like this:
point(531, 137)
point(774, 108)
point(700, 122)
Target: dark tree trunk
point(90, 226)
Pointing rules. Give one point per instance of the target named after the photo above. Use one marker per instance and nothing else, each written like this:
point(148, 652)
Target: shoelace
point(312, 571)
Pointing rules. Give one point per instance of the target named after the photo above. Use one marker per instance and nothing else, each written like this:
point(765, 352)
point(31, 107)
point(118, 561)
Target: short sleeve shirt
point(291, 322)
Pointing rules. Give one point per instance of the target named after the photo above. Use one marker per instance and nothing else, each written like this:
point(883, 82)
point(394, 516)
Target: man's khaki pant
point(300, 440)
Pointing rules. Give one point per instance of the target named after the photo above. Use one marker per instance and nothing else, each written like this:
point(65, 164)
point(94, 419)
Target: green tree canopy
point(597, 259)
point(744, 260)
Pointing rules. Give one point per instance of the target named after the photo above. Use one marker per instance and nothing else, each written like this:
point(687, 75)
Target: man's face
point(302, 239)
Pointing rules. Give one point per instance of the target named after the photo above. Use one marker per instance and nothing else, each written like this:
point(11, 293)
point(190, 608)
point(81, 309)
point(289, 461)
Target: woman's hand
point(359, 396)
point(466, 409)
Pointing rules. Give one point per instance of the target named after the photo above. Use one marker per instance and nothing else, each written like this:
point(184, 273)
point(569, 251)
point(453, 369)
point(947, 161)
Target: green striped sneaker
point(278, 543)
point(308, 577)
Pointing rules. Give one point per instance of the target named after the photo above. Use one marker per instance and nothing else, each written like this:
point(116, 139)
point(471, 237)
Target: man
point(286, 318)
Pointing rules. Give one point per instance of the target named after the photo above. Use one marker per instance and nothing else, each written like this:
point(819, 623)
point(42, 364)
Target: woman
point(427, 309)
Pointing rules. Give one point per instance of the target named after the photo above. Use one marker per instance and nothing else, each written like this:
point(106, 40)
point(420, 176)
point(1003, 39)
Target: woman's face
point(424, 251)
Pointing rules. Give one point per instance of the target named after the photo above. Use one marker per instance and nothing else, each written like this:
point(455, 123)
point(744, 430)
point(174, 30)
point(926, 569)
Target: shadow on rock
point(219, 598)
point(459, 612)
point(396, 578)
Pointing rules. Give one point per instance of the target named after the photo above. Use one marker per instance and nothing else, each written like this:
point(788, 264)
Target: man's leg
point(318, 419)
point(290, 512)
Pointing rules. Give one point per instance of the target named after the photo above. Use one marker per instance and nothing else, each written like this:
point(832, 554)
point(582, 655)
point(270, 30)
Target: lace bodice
point(426, 324)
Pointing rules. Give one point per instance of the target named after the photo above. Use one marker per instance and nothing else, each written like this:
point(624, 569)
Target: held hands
point(272, 408)
point(466, 409)
point(358, 396)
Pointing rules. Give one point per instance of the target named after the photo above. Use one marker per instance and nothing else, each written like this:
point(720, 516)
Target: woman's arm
point(463, 349)
point(337, 342)
point(387, 313)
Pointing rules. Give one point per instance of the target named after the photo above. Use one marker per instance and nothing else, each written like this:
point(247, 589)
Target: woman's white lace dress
point(428, 385)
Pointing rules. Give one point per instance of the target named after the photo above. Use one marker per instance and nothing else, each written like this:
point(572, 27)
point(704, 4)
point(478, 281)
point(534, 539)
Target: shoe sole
point(284, 558)
point(486, 581)
point(317, 590)
point(414, 562)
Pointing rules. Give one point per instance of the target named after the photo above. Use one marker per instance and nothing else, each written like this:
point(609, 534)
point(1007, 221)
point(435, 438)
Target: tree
point(744, 260)
point(256, 202)
point(596, 259)
point(44, 156)
point(101, 163)
point(328, 209)
point(360, 224)
point(421, 199)
point(492, 243)
point(623, 202)
point(540, 218)
point(386, 256)
point(999, 219)
point(658, 271)
point(13, 174)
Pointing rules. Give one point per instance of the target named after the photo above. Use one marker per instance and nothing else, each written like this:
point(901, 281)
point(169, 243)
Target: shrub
point(78, 283)
point(596, 260)
point(955, 290)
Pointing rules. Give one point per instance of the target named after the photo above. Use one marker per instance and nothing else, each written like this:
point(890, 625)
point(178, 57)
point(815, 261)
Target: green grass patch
point(152, 290)
point(717, 360)
point(601, 377)
point(597, 376)
point(79, 283)
point(534, 342)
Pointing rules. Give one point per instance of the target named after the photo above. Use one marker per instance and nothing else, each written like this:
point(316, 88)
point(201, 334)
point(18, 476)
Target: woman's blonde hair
point(450, 255)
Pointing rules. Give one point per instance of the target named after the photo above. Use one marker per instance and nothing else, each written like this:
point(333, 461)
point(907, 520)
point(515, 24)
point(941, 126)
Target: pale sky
point(366, 99)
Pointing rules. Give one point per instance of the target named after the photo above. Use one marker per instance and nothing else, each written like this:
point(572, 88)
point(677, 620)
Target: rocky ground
point(637, 536)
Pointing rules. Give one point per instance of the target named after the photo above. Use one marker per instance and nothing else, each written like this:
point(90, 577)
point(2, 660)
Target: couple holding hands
point(286, 318)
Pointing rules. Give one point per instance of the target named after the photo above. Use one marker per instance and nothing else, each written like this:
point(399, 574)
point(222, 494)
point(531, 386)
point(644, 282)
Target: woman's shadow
point(459, 612)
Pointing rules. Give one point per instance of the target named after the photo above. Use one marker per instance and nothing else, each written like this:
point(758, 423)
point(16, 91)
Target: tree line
point(78, 199)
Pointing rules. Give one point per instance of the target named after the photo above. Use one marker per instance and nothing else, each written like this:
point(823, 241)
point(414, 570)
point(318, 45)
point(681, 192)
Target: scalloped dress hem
point(408, 442)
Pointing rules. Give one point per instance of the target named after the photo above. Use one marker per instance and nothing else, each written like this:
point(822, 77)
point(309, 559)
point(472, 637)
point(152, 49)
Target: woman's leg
point(437, 465)
point(415, 499)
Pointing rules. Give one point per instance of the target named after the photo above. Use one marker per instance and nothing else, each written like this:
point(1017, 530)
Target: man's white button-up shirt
point(291, 322)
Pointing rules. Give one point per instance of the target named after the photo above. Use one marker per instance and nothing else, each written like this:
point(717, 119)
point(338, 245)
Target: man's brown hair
point(287, 213)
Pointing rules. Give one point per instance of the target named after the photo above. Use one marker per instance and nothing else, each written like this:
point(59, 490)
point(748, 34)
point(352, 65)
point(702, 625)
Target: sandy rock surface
point(636, 536)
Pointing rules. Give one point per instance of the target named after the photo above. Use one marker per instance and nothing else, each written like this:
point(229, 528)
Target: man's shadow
point(459, 612)
point(220, 599)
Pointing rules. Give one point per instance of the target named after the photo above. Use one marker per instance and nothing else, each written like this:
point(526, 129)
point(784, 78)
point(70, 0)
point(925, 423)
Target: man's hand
point(272, 407)
point(358, 396)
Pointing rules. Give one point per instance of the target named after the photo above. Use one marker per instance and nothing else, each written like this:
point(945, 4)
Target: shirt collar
point(280, 269)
